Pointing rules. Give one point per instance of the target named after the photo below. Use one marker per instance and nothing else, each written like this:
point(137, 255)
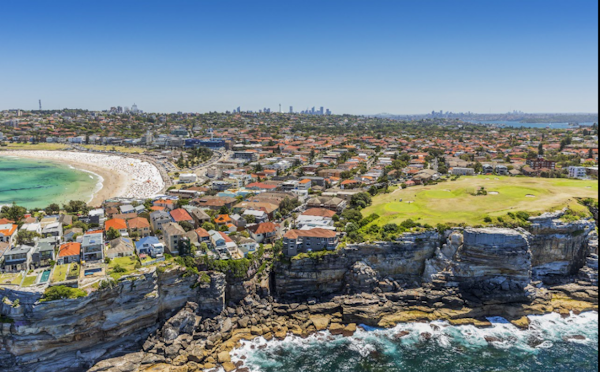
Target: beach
point(118, 176)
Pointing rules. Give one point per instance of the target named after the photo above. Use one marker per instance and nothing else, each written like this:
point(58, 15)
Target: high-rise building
point(321, 112)
point(134, 109)
point(291, 109)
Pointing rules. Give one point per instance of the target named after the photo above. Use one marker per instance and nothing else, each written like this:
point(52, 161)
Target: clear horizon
point(352, 57)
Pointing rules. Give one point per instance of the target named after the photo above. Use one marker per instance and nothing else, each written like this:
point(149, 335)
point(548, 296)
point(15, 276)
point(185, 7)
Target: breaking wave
point(551, 343)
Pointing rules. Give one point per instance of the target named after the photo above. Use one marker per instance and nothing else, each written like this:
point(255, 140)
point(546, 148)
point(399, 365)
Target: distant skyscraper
point(40, 105)
point(134, 109)
point(291, 109)
point(321, 112)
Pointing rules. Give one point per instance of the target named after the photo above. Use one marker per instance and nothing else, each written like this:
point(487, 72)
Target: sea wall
point(72, 334)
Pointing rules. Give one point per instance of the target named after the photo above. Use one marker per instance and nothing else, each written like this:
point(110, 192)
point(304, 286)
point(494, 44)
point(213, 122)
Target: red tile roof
point(180, 214)
point(69, 249)
point(115, 223)
point(312, 233)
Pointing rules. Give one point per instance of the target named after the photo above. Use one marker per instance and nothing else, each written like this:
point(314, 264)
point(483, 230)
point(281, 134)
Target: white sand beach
point(120, 176)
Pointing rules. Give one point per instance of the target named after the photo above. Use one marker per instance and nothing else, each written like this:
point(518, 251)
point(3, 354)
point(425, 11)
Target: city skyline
point(398, 57)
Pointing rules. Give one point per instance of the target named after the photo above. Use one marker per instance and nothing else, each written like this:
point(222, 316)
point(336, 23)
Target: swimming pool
point(91, 271)
point(45, 276)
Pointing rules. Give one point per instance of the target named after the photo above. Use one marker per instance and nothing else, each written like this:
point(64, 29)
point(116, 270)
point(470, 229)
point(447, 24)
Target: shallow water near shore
point(548, 345)
point(37, 183)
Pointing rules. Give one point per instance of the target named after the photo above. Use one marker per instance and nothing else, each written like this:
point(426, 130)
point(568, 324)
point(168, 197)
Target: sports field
point(451, 201)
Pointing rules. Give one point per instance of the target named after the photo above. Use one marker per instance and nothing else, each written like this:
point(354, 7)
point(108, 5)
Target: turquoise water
point(38, 183)
point(545, 347)
point(45, 276)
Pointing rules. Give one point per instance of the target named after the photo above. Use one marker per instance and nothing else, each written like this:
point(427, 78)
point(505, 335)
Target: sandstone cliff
point(72, 334)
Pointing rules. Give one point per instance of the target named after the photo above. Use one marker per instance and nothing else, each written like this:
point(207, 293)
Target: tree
point(208, 226)
point(204, 247)
point(112, 233)
point(52, 208)
point(13, 213)
point(75, 206)
point(224, 210)
point(26, 237)
point(250, 218)
point(186, 226)
point(541, 149)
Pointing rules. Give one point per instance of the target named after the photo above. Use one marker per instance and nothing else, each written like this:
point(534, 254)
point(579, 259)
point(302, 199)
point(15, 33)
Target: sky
point(355, 57)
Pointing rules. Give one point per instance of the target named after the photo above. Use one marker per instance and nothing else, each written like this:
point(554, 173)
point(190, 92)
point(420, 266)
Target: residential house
point(52, 229)
point(158, 219)
point(69, 234)
point(265, 232)
point(118, 224)
point(198, 215)
point(222, 220)
point(181, 215)
point(173, 236)
point(43, 252)
point(246, 245)
point(8, 232)
point(18, 258)
point(120, 247)
point(139, 225)
point(301, 241)
point(151, 246)
point(332, 203)
point(259, 216)
point(69, 252)
point(92, 247)
point(203, 236)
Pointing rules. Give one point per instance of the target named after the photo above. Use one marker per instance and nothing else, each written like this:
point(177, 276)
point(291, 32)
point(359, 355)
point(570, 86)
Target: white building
point(577, 172)
point(187, 178)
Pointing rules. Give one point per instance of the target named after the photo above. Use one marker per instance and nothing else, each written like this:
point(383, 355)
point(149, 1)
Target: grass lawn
point(10, 278)
point(117, 148)
point(74, 271)
point(29, 280)
point(37, 146)
point(451, 201)
point(59, 274)
point(127, 263)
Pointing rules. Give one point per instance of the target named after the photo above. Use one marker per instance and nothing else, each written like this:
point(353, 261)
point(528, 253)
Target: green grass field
point(37, 146)
point(452, 202)
point(59, 274)
point(127, 263)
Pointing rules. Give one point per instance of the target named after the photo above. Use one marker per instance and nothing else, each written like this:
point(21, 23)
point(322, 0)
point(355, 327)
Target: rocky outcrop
point(71, 334)
point(491, 264)
point(400, 263)
point(558, 248)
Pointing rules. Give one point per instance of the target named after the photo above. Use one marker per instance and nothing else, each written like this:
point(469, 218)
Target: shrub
point(119, 269)
point(61, 292)
point(487, 219)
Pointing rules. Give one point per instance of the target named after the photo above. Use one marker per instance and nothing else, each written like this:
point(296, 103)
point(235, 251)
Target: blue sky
point(359, 57)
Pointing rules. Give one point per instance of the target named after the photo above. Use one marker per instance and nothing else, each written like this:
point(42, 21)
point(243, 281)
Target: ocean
point(548, 346)
point(519, 124)
point(38, 183)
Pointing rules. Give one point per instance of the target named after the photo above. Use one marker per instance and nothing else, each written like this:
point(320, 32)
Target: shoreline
point(112, 182)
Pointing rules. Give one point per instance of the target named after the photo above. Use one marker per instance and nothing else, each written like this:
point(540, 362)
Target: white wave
point(543, 333)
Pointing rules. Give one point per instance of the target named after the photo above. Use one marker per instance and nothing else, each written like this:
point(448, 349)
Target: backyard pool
point(92, 271)
point(45, 276)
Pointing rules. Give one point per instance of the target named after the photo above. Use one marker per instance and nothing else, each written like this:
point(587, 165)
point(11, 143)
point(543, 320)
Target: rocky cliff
point(558, 248)
point(72, 334)
point(357, 268)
